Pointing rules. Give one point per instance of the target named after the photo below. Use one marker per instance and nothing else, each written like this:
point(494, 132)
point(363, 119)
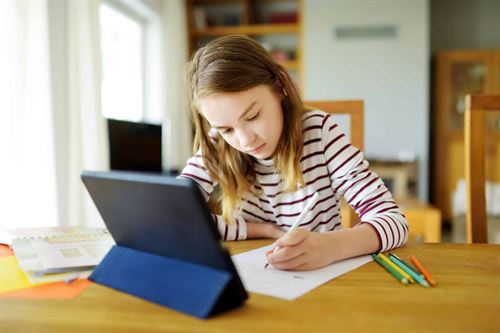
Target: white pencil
point(296, 224)
point(306, 210)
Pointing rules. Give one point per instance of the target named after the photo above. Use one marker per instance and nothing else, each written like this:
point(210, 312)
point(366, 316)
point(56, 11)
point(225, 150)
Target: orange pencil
point(423, 270)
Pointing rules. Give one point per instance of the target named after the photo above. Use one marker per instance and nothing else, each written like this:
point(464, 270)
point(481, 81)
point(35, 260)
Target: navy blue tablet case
point(168, 249)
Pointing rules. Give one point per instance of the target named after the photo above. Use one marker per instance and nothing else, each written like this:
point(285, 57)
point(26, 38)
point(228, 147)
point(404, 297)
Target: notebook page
point(287, 284)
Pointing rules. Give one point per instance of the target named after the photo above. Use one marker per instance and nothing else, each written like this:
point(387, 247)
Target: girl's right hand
point(263, 230)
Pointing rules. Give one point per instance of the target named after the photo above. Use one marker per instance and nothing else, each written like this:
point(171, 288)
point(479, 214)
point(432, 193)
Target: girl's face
point(251, 121)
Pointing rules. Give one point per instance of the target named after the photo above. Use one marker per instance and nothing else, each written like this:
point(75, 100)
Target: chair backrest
point(355, 109)
point(475, 108)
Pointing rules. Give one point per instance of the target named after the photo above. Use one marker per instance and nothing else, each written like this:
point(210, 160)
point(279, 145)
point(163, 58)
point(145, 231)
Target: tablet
point(160, 214)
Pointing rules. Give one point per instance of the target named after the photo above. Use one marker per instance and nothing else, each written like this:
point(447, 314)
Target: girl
point(270, 155)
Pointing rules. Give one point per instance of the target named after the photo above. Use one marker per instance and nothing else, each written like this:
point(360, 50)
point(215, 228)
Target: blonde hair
point(231, 64)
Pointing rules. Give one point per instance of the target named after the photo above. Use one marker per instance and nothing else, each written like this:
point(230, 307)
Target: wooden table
point(368, 299)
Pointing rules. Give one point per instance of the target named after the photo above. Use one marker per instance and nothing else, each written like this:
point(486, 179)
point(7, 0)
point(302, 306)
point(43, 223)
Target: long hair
point(231, 64)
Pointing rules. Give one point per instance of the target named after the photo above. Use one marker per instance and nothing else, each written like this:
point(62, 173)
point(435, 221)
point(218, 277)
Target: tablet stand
point(190, 288)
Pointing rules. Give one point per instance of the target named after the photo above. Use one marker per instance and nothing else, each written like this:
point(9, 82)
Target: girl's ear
point(278, 85)
point(282, 79)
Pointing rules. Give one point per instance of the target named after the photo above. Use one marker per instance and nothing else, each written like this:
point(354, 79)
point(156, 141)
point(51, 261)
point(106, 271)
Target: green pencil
point(420, 280)
point(391, 270)
point(404, 263)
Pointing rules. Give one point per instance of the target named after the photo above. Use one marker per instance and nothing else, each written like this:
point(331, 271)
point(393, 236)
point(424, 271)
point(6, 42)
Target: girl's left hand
point(301, 250)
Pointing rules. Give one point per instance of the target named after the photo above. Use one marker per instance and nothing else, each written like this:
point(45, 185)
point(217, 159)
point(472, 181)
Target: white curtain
point(177, 142)
point(43, 149)
point(87, 137)
point(28, 193)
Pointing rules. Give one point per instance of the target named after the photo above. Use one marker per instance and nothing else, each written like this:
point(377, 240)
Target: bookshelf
point(276, 24)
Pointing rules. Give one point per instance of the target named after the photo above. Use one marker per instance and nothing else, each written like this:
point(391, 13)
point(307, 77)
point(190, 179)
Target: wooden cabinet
point(276, 24)
point(457, 73)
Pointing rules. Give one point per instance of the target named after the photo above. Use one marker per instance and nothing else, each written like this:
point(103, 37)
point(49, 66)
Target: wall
point(390, 74)
point(155, 5)
point(465, 24)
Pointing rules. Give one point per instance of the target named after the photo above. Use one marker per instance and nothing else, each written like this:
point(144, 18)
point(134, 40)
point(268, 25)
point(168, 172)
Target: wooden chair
point(476, 217)
point(424, 219)
point(355, 109)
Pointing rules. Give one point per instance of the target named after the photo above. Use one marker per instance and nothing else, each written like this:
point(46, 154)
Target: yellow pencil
point(396, 267)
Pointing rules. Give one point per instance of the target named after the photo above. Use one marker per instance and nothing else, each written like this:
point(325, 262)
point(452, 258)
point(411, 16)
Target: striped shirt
point(332, 167)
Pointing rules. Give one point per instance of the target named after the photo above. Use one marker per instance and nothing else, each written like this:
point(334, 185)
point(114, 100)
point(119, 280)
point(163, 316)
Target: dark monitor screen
point(134, 146)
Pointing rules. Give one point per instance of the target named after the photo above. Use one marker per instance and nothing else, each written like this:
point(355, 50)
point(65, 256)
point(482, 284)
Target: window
point(123, 63)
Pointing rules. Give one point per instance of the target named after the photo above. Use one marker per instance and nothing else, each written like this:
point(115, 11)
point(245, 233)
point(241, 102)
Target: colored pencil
point(392, 271)
point(396, 267)
point(405, 263)
point(420, 279)
point(422, 270)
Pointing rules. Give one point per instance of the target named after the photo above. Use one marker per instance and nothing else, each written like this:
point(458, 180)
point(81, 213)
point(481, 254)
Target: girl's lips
point(258, 149)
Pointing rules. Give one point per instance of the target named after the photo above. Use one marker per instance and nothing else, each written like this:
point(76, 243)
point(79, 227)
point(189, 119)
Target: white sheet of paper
point(286, 284)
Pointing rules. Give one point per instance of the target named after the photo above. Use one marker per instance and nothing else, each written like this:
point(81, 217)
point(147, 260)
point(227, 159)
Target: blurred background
point(98, 85)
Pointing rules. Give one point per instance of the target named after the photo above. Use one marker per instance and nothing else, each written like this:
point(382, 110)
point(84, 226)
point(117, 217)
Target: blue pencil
point(420, 280)
point(405, 263)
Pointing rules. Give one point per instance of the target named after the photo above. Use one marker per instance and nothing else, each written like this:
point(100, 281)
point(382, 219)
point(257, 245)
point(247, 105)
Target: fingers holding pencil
point(287, 246)
point(293, 237)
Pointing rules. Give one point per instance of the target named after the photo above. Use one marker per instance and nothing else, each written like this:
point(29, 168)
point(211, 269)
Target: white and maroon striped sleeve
point(230, 232)
point(196, 171)
point(362, 188)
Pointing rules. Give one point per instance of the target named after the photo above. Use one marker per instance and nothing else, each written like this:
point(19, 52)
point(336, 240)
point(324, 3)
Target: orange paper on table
point(55, 290)
point(15, 284)
point(5, 251)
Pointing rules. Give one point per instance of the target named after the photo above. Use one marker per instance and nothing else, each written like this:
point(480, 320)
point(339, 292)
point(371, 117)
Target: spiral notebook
point(59, 249)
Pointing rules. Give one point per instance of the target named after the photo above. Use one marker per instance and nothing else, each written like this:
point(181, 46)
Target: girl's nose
point(246, 138)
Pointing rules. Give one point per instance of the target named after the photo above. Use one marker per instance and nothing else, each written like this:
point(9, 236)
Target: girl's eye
point(226, 131)
point(255, 116)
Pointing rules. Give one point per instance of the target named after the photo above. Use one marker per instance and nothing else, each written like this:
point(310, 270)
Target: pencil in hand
point(296, 224)
point(274, 250)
